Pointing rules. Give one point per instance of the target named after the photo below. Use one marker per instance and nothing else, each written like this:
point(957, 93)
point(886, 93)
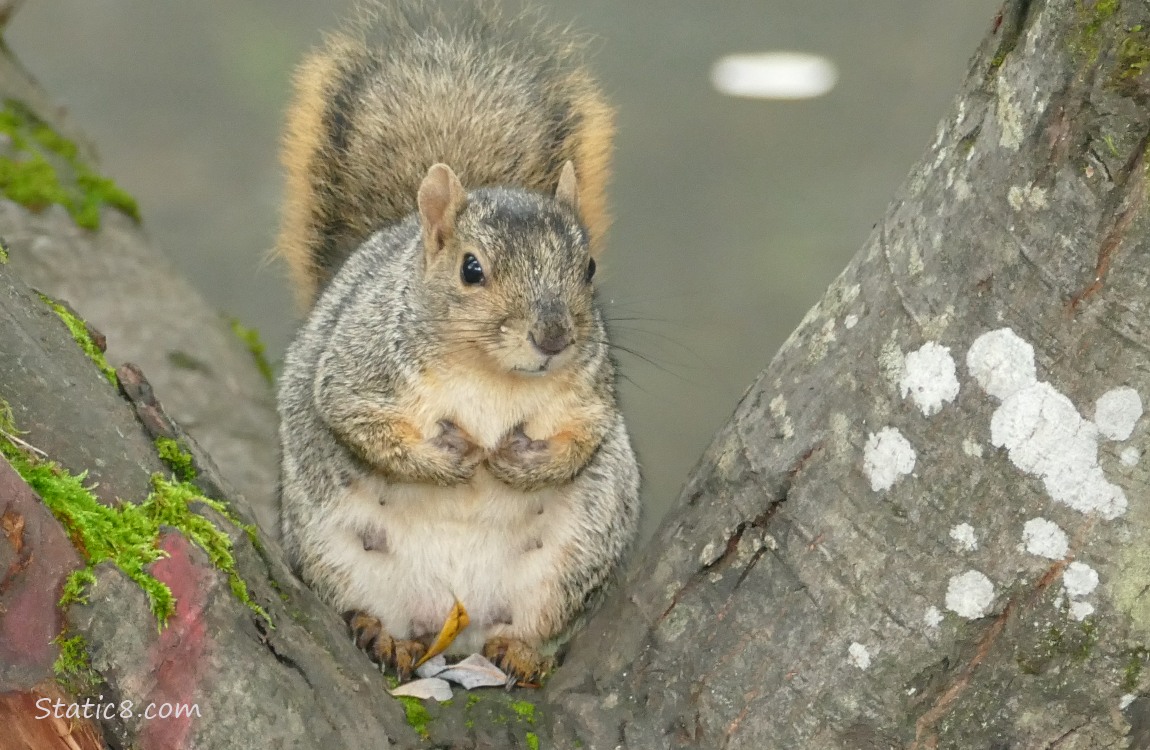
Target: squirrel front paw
point(449, 458)
point(527, 464)
point(377, 643)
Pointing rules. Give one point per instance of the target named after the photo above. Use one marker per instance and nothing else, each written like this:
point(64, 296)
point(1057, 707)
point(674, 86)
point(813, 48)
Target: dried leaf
point(432, 667)
point(473, 672)
point(457, 620)
point(430, 688)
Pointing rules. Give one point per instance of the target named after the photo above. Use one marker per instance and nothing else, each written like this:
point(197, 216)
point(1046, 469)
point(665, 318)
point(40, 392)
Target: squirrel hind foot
point(520, 660)
point(371, 638)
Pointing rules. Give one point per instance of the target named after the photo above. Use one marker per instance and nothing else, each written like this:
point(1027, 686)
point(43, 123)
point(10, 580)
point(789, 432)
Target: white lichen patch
point(928, 377)
point(1079, 580)
point(933, 617)
point(970, 595)
point(964, 537)
point(1125, 701)
point(1081, 610)
point(859, 655)
point(972, 448)
point(1045, 539)
point(1009, 116)
point(1130, 456)
point(821, 341)
point(850, 321)
point(1002, 363)
point(1041, 429)
point(1117, 411)
point(778, 408)
point(887, 456)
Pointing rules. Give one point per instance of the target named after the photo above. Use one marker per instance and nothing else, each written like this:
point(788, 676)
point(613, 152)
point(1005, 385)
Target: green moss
point(76, 587)
point(1083, 644)
point(7, 421)
point(1133, 671)
point(127, 535)
point(1133, 57)
point(46, 168)
point(73, 667)
point(418, 717)
point(525, 710)
point(1092, 16)
point(532, 741)
point(3, 254)
point(1058, 645)
point(169, 505)
point(251, 339)
point(79, 331)
point(177, 459)
point(1132, 62)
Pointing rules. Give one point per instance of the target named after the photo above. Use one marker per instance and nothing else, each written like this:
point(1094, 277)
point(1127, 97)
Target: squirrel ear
point(441, 197)
point(568, 189)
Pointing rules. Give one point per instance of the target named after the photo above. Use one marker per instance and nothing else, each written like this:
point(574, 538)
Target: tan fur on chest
point(488, 405)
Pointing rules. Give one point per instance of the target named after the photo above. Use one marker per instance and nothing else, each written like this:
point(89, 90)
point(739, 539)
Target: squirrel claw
point(463, 455)
point(519, 444)
point(377, 643)
point(522, 662)
point(523, 463)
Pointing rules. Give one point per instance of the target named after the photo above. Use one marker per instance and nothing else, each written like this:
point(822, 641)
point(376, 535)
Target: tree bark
point(926, 525)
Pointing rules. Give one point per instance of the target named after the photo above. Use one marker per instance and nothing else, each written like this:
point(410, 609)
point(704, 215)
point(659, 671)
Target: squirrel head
point(508, 272)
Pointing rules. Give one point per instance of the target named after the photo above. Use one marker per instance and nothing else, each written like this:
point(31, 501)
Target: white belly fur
point(482, 543)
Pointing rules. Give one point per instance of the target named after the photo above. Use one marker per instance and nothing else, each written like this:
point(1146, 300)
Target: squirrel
point(449, 425)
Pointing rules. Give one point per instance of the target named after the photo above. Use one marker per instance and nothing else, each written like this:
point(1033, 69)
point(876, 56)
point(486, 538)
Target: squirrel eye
point(472, 271)
point(590, 270)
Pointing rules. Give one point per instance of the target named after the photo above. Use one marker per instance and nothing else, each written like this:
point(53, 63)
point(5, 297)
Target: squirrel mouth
point(541, 369)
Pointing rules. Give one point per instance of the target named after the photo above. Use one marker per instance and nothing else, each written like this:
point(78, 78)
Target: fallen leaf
point(430, 688)
point(432, 666)
point(457, 620)
point(473, 672)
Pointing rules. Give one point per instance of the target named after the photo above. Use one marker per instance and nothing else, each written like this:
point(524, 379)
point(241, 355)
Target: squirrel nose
point(552, 341)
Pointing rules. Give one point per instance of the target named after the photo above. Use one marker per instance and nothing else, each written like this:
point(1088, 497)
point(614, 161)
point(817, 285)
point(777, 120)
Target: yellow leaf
point(456, 621)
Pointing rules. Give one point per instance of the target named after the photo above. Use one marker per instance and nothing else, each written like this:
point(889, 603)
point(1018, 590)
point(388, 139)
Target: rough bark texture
point(787, 603)
point(815, 588)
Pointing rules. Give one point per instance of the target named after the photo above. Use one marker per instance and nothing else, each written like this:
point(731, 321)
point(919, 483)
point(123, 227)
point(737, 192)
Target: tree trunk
point(926, 525)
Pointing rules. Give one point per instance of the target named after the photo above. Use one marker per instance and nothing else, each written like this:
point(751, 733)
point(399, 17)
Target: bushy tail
point(502, 99)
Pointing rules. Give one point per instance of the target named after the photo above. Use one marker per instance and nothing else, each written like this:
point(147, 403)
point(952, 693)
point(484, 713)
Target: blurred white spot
point(774, 75)
point(933, 617)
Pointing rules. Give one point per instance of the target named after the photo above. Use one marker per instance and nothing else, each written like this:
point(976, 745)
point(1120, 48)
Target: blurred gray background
point(732, 215)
